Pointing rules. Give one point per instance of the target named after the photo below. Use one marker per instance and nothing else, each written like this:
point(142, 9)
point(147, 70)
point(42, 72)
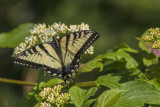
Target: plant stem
point(82, 84)
point(86, 84)
point(17, 82)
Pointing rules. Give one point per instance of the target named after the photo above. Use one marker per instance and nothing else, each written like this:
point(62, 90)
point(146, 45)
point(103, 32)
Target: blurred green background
point(116, 21)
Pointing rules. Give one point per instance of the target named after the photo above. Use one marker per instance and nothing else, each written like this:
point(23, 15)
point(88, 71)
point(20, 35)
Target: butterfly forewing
point(41, 56)
point(74, 44)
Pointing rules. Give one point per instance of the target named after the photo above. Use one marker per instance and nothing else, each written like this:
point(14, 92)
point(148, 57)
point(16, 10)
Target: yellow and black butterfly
point(60, 57)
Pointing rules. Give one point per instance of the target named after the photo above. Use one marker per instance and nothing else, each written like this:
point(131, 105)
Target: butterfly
point(59, 57)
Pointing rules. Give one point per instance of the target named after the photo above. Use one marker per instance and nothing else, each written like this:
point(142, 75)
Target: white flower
point(38, 29)
point(56, 25)
point(73, 28)
point(84, 26)
point(22, 45)
point(48, 39)
point(28, 39)
point(45, 104)
point(54, 95)
point(90, 50)
point(63, 28)
point(60, 28)
point(49, 32)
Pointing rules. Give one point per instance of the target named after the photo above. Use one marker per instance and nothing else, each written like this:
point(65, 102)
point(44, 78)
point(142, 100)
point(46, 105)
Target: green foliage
point(79, 96)
point(150, 59)
point(153, 72)
point(13, 38)
point(108, 98)
point(95, 63)
point(137, 93)
point(124, 77)
point(109, 80)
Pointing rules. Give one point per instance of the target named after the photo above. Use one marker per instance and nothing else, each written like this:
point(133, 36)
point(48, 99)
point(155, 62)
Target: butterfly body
point(60, 57)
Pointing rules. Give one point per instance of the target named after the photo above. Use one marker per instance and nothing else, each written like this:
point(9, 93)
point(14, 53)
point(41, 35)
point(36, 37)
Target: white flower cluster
point(45, 104)
point(90, 50)
point(42, 33)
point(53, 96)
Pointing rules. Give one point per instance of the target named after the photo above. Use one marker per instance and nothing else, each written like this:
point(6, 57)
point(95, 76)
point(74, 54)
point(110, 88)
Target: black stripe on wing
point(67, 39)
point(56, 46)
point(89, 41)
point(75, 63)
point(46, 51)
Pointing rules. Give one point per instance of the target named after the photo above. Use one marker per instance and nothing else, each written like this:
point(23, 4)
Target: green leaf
point(109, 80)
point(114, 65)
point(89, 66)
point(125, 48)
point(154, 82)
point(138, 92)
point(88, 102)
point(153, 72)
point(120, 55)
point(108, 98)
point(13, 38)
point(50, 83)
point(114, 80)
point(32, 99)
point(79, 96)
point(150, 59)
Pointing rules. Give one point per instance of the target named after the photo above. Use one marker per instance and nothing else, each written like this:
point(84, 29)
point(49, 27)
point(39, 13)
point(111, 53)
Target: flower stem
point(17, 82)
point(82, 84)
point(86, 84)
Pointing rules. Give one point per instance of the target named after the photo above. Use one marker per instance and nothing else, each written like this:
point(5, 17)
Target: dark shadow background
point(116, 21)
